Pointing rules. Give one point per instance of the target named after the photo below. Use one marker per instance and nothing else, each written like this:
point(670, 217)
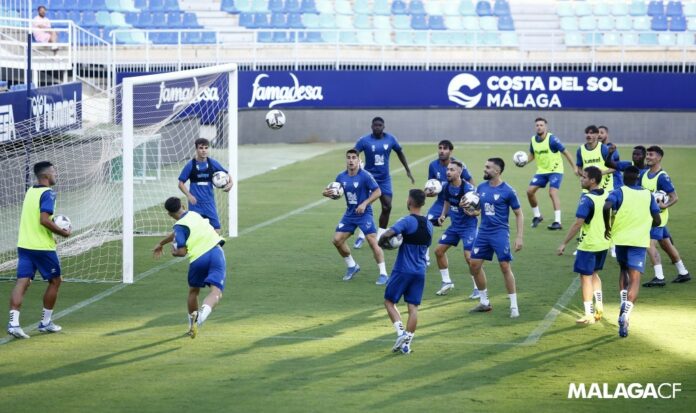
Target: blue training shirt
point(411, 258)
point(554, 144)
point(496, 202)
point(201, 180)
point(453, 194)
point(181, 233)
point(664, 183)
point(437, 170)
point(377, 152)
point(356, 190)
point(616, 199)
point(47, 202)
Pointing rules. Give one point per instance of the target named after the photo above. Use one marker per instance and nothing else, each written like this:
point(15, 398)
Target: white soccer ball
point(275, 119)
point(62, 221)
point(520, 158)
point(336, 188)
point(395, 242)
point(660, 197)
point(433, 186)
point(220, 179)
point(471, 201)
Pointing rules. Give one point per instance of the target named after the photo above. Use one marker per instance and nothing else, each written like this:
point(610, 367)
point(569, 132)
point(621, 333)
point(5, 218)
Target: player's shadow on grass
point(164, 320)
point(108, 360)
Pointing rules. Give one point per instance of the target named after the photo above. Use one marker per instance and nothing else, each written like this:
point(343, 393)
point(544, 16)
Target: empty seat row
point(625, 23)
point(629, 39)
point(113, 5)
point(634, 8)
point(144, 19)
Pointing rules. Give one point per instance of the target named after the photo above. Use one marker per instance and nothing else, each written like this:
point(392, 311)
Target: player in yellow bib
point(656, 179)
point(592, 247)
point(630, 230)
point(595, 153)
point(546, 149)
point(36, 250)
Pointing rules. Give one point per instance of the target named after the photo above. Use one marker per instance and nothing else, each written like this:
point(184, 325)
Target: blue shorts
point(207, 211)
point(386, 187)
point(587, 262)
point(435, 211)
point(631, 257)
point(659, 233)
point(487, 243)
point(408, 285)
point(553, 179)
point(452, 236)
point(208, 269)
point(365, 222)
point(29, 261)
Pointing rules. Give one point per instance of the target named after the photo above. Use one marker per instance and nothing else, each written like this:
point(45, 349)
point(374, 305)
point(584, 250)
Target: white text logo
point(186, 95)
point(277, 95)
point(49, 115)
point(623, 391)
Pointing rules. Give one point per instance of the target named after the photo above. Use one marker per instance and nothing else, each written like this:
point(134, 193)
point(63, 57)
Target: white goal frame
point(128, 147)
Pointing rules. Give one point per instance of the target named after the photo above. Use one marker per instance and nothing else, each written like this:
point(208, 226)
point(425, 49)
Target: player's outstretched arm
point(404, 162)
point(572, 232)
point(47, 222)
point(519, 220)
point(157, 251)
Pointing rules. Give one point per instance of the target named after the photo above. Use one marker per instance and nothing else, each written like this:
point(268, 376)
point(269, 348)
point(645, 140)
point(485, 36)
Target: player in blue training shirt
point(546, 149)
point(377, 147)
point(408, 275)
point(360, 190)
point(613, 154)
point(36, 250)
point(438, 170)
point(496, 200)
point(193, 235)
point(463, 227)
point(199, 171)
point(656, 179)
point(635, 212)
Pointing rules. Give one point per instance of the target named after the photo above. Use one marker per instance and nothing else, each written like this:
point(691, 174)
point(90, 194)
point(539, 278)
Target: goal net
point(116, 170)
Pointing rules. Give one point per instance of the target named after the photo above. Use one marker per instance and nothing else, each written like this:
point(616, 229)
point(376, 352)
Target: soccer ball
point(220, 179)
point(520, 158)
point(433, 186)
point(275, 119)
point(62, 221)
point(337, 189)
point(471, 201)
point(660, 196)
point(395, 242)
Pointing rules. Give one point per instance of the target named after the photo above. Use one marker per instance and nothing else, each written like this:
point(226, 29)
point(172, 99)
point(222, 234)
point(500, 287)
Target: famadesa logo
point(623, 391)
point(184, 96)
point(455, 93)
point(277, 95)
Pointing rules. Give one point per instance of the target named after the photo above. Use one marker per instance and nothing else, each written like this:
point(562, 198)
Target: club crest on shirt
point(373, 148)
point(340, 224)
point(345, 184)
point(476, 250)
point(437, 175)
point(355, 184)
point(496, 196)
point(386, 146)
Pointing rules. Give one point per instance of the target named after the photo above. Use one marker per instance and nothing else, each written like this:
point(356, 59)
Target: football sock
point(624, 295)
point(46, 316)
point(190, 318)
point(399, 327)
point(473, 280)
point(588, 307)
point(557, 216)
point(681, 268)
point(513, 300)
point(537, 212)
point(350, 262)
point(382, 268)
point(204, 313)
point(444, 273)
point(14, 318)
point(484, 297)
point(658, 272)
point(598, 297)
point(629, 308)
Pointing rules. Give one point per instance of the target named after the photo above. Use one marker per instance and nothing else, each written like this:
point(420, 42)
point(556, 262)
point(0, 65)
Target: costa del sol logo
point(455, 93)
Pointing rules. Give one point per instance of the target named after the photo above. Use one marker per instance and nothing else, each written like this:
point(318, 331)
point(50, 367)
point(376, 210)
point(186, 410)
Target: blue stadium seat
point(619, 9)
point(400, 22)
point(145, 20)
point(565, 9)
point(602, 9)
point(685, 39)
point(381, 7)
point(383, 37)
point(440, 38)
point(587, 23)
point(128, 6)
point(53, 15)
point(501, 8)
point(327, 21)
point(157, 5)
point(74, 15)
point(343, 7)
point(362, 7)
point(190, 37)
point(278, 21)
point(295, 21)
point(63, 37)
point(436, 23)
point(471, 23)
point(190, 21)
point(171, 5)
point(246, 19)
point(623, 23)
point(98, 5)
point(582, 8)
point(569, 24)
point(656, 8)
point(638, 8)
point(508, 39)
point(83, 5)
point(467, 8)
point(244, 6)
point(132, 19)
point(629, 39)
point(677, 24)
point(280, 37)
point(311, 37)
point(261, 21)
point(330, 37)
point(311, 21)
point(174, 20)
point(229, 6)
point(398, 7)
point(666, 39)
point(348, 37)
point(344, 22)
point(690, 9)
point(259, 6)
point(505, 23)
point(326, 7)
point(141, 4)
point(163, 38)
point(641, 23)
point(308, 6)
point(647, 39)
point(276, 6)
point(418, 22)
point(362, 21)
point(56, 5)
point(118, 19)
point(209, 37)
point(454, 23)
point(659, 23)
point(434, 8)
point(113, 5)
point(573, 39)
point(611, 39)
point(264, 37)
point(483, 8)
point(605, 23)
point(416, 7)
point(158, 19)
point(104, 18)
point(674, 8)
point(450, 8)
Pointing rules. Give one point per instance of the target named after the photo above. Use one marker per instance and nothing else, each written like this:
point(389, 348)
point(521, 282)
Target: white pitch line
point(548, 321)
point(153, 270)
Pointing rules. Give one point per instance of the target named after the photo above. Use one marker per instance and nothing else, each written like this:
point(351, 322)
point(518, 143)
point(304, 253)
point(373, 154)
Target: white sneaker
point(475, 295)
point(399, 342)
point(445, 288)
point(193, 330)
point(16, 332)
point(49, 328)
point(514, 312)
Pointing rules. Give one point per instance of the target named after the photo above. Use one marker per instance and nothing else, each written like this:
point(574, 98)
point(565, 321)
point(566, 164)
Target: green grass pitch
point(290, 336)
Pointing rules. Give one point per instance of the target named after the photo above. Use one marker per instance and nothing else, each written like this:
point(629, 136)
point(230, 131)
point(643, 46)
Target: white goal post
point(191, 87)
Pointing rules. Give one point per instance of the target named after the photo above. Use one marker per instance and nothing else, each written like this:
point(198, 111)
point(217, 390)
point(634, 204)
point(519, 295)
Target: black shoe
point(536, 221)
point(655, 282)
point(555, 226)
point(682, 278)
